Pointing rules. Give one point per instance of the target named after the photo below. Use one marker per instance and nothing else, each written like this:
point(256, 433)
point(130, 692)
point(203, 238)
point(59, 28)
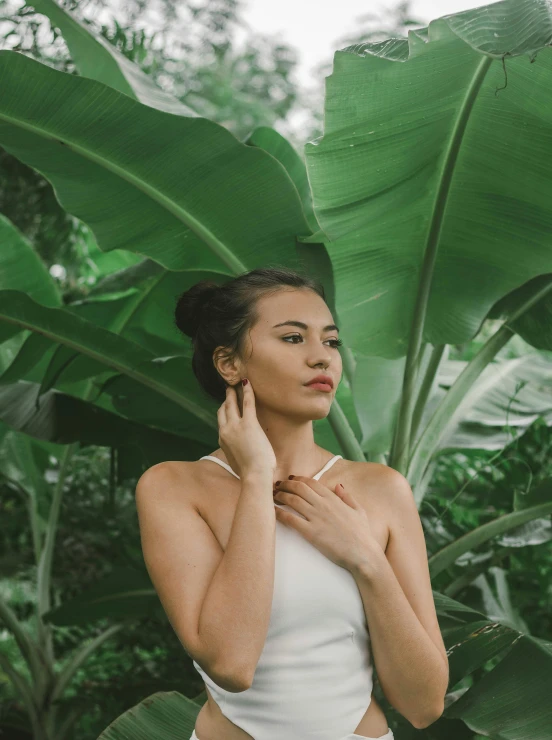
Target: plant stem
point(402, 438)
point(344, 433)
point(44, 571)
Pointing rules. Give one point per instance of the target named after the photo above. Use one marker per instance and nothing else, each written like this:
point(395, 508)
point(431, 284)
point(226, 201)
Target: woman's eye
point(335, 342)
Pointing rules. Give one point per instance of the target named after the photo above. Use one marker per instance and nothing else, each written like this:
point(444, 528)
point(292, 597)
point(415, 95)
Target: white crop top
point(313, 680)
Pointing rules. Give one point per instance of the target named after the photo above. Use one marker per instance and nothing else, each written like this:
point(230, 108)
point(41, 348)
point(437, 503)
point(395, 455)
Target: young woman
point(271, 594)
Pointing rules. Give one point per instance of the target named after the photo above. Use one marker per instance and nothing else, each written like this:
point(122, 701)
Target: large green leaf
point(136, 302)
point(113, 351)
point(22, 269)
point(416, 186)
point(63, 419)
point(275, 144)
point(166, 715)
point(535, 325)
point(524, 662)
point(512, 702)
point(182, 191)
point(429, 180)
point(504, 401)
point(475, 643)
point(96, 58)
point(377, 394)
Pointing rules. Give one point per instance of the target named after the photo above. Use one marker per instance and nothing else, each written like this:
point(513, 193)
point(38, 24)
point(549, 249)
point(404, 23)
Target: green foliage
point(468, 424)
point(192, 53)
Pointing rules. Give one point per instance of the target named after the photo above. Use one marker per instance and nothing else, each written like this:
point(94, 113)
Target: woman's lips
point(320, 387)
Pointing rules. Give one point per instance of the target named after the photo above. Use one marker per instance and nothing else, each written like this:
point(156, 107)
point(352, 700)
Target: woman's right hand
point(241, 437)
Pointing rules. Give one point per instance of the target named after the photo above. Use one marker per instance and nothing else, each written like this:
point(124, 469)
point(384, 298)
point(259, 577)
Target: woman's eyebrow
point(304, 326)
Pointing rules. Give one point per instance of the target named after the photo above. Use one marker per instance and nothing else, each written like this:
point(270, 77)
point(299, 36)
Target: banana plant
point(426, 185)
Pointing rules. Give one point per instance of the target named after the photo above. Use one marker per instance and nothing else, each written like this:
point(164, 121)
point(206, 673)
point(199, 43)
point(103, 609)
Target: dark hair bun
point(191, 306)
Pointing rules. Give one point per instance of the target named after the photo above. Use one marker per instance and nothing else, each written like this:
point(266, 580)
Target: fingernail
point(244, 381)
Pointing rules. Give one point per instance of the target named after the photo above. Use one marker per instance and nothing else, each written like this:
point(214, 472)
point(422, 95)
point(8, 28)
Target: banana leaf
point(145, 180)
point(96, 58)
point(429, 185)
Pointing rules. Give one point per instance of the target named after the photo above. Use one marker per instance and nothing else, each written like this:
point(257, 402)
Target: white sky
point(313, 26)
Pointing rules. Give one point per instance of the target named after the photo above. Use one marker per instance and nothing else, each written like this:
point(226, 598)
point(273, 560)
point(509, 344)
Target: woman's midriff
point(217, 506)
point(211, 724)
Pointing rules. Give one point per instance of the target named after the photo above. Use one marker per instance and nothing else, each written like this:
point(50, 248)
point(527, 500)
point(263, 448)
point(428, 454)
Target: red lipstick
point(321, 383)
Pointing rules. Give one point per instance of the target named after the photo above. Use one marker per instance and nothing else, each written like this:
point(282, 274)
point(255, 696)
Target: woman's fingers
point(221, 413)
point(230, 409)
point(248, 401)
point(231, 404)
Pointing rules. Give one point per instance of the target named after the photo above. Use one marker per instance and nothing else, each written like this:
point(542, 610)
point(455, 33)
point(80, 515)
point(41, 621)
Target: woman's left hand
point(335, 523)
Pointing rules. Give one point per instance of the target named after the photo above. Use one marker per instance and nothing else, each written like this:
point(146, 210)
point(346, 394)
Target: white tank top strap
point(220, 462)
point(328, 465)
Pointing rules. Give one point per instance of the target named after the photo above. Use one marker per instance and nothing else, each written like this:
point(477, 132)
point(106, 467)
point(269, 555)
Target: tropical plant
point(417, 201)
point(185, 47)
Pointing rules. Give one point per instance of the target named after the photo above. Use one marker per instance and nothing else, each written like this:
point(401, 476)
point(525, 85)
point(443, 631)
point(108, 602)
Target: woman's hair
point(220, 315)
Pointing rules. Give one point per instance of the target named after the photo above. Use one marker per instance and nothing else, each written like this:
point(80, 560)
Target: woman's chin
point(317, 407)
point(319, 410)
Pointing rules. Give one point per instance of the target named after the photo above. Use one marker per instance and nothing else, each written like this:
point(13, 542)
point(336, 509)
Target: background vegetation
point(193, 54)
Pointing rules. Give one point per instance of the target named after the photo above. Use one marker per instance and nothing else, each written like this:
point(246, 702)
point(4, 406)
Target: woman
point(270, 611)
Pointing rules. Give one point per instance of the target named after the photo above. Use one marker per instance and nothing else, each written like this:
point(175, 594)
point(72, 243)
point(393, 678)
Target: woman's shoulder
point(174, 471)
point(179, 466)
point(365, 467)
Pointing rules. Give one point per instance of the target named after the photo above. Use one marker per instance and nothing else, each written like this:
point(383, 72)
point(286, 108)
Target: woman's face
point(280, 360)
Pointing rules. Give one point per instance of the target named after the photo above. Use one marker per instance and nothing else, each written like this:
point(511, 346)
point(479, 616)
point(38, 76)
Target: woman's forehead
point(303, 312)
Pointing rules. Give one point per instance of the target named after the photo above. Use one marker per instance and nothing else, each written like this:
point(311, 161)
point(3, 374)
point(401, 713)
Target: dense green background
point(241, 89)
